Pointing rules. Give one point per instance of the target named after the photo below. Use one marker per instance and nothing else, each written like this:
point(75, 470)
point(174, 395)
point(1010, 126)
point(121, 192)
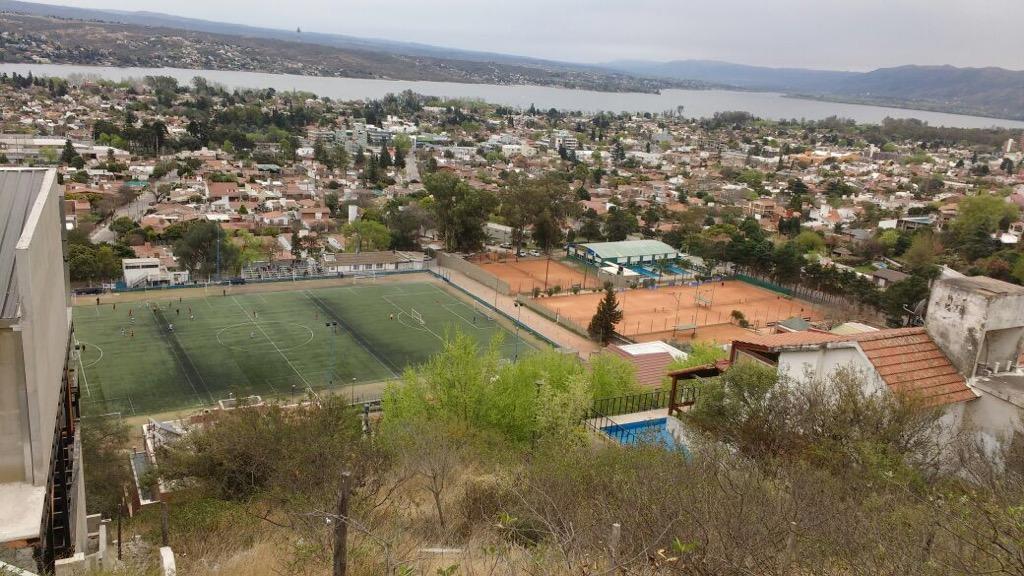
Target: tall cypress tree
point(608, 314)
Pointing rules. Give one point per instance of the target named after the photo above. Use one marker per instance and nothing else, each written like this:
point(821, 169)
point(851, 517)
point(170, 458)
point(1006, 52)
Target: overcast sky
point(831, 34)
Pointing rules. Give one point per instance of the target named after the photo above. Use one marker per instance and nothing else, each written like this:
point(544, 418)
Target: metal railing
point(639, 402)
point(606, 426)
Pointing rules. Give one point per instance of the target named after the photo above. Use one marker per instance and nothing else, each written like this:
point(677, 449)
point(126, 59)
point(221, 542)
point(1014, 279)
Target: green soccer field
point(265, 343)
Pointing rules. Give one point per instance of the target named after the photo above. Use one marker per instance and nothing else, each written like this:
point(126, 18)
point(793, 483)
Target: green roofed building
point(625, 253)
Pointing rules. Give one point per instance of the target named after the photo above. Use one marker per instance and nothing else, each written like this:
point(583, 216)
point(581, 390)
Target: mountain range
point(985, 91)
point(995, 92)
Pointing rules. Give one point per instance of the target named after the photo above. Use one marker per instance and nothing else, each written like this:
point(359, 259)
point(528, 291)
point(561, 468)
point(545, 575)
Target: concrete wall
point(961, 311)
point(15, 452)
point(993, 419)
point(42, 332)
point(955, 321)
point(46, 321)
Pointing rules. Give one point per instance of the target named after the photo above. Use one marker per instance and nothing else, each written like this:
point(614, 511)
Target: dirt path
point(542, 325)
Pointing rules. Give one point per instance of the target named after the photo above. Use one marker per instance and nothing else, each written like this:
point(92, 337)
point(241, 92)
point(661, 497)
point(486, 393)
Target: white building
point(42, 488)
point(140, 272)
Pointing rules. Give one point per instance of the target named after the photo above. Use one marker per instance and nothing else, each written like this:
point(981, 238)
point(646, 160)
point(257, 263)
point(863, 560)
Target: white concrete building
point(140, 272)
point(42, 490)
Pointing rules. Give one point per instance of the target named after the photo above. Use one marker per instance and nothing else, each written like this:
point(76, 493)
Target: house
point(966, 359)
point(911, 223)
point(223, 191)
point(885, 277)
point(906, 360)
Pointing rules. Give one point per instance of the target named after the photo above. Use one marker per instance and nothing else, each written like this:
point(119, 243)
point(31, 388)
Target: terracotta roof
point(907, 359)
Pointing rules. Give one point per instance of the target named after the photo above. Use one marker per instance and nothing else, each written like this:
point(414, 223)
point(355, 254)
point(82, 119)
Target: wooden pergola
point(684, 396)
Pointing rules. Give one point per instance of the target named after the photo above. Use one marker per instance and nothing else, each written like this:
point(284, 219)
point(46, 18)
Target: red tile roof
point(907, 359)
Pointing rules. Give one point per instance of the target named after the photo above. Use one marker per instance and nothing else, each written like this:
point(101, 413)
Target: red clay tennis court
point(700, 313)
point(523, 275)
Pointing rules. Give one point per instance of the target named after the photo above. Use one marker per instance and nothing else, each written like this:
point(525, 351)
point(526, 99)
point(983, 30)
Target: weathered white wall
point(993, 419)
point(961, 312)
point(824, 361)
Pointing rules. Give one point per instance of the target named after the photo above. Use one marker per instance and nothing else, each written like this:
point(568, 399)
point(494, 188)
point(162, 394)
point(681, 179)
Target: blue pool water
point(649, 431)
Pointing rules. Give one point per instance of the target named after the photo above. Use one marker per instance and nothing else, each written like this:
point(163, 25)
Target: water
point(696, 103)
point(645, 431)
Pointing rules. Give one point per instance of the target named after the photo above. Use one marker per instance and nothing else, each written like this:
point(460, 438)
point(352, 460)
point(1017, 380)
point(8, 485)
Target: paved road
point(134, 210)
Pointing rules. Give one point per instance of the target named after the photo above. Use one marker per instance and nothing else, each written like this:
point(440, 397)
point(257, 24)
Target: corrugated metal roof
point(629, 248)
point(19, 188)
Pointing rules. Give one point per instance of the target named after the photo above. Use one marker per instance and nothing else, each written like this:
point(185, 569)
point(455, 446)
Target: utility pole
point(341, 527)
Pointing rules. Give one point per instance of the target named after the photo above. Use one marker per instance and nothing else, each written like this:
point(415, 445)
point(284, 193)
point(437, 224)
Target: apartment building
point(42, 491)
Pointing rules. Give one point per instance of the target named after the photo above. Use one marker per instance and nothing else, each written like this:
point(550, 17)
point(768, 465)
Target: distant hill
point(158, 20)
point(984, 91)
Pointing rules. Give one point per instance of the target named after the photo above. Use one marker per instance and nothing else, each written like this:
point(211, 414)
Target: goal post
point(416, 316)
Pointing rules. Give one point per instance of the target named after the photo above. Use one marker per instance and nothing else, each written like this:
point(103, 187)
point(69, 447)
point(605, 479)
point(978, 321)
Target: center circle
point(251, 336)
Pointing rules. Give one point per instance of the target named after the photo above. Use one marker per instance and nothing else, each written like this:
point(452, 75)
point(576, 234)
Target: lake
point(696, 103)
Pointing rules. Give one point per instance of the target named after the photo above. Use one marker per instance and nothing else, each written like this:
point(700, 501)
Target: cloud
point(830, 34)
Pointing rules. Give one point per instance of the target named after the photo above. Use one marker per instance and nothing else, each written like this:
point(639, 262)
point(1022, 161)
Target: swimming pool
point(655, 431)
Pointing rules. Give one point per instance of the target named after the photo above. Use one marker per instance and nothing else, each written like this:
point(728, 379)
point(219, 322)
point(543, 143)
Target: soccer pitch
point(265, 343)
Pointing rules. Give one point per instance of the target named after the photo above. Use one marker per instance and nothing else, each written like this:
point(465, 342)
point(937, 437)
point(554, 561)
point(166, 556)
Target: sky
point(825, 34)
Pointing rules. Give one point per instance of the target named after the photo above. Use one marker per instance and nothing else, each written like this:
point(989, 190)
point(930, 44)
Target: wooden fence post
point(613, 544)
point(341, 527)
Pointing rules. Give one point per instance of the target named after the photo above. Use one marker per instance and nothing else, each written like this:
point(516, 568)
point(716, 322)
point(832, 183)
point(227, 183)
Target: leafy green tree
point(809, 241)
point(544, 202)
point(199, 247)
point(460, 211)
point(619, 223)
point(68, 154)
point(369, 235)
point(977, 219)
point(590, 229)
point(903, 294)
point(608, 314)
point(546, 232)
point(402, 144)
point(787, 261)
point(122, 225)
point(922, 251)
point(103, 441)
point(542, 395)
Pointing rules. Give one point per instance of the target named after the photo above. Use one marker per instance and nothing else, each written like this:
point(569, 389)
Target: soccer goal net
point(415, 315)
